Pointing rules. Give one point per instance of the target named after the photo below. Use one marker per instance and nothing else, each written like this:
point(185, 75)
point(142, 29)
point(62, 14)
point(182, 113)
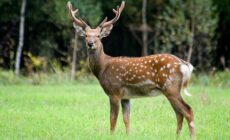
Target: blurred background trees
point(197, 31)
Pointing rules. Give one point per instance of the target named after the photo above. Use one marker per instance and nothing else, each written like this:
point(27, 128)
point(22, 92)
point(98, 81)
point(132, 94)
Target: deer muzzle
point(91, 45)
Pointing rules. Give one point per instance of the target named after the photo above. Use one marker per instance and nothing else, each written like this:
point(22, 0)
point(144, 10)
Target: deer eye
point(98, 36)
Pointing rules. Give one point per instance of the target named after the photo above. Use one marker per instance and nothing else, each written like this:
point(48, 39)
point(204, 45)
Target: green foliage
point(48, 27)
point(10, 10)
point(89, 10)
point(49, 30)
point(84, 69)
point(223, 6)
point(182, 23)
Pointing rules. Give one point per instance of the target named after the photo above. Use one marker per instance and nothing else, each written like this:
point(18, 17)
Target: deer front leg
point(114, 110)
point(126, 113)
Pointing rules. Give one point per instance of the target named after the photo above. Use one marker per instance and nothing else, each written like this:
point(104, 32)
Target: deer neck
point(97, 60)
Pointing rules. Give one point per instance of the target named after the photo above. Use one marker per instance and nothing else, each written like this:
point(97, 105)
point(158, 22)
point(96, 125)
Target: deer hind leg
point(181, 108)
point(190, 119)
point(180, 118)
point(114, 110)
point(126, 113)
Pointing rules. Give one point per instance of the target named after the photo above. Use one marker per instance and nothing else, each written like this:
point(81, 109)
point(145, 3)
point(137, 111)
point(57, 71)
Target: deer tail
point(186, 70)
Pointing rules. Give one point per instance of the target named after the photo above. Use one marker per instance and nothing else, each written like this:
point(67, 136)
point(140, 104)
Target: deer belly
point(134, 93)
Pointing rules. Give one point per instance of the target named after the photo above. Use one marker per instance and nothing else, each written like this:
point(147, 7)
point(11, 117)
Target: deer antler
point(117, 15)
point(77, 21)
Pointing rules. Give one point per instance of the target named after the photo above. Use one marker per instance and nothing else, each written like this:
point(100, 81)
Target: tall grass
point(218, 79)
point(58, 77)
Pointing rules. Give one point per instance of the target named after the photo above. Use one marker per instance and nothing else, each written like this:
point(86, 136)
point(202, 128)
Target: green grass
point(81, 111)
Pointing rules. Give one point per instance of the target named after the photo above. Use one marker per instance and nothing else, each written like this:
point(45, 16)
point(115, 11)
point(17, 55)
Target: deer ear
point(105, 31)
point(80, 31)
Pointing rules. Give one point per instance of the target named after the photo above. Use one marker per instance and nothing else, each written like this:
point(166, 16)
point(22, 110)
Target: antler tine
point(117, 15)
point(77, 21)
point(85, 24)
point(100, 25)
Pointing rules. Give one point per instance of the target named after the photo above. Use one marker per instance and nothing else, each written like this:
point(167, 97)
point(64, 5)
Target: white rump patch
point(186, 70)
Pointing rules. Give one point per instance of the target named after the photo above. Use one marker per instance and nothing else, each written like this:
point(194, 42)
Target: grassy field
point(81, 112)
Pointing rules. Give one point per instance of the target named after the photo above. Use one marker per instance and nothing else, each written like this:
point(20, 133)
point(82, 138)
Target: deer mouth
point(91, 47)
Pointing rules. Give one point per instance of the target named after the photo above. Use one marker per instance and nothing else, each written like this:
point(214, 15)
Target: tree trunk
point(145, 43)
point(190, 51)
point(191, 40)
point(73, 69)
point(21, 38)
point(145, 32)
point(222, 62)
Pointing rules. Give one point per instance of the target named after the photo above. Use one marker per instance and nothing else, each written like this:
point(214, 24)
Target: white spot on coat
point(168, 65)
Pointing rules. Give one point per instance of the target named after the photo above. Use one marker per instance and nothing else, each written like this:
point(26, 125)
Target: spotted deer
point(124, 78)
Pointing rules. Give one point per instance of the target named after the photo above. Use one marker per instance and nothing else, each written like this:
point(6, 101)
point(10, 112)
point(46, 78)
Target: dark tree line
point(197, 31)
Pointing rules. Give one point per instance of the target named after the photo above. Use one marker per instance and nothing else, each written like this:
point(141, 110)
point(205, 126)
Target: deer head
point(93, 36)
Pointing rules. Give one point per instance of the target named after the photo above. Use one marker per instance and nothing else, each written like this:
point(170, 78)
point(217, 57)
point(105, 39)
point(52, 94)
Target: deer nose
point(90, 44)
